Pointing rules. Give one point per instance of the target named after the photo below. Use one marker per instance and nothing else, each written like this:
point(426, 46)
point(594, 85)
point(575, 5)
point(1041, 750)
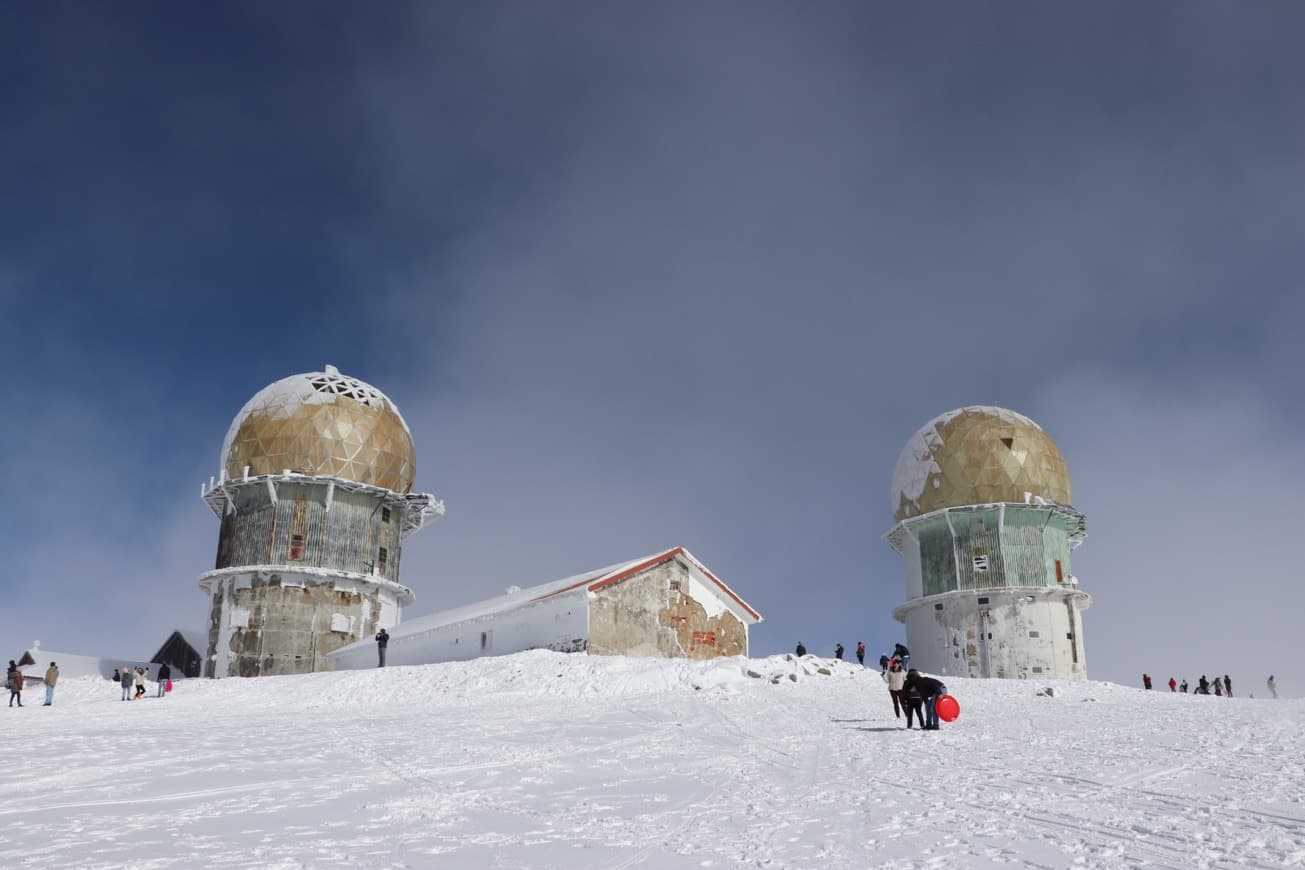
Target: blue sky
point(639, 279)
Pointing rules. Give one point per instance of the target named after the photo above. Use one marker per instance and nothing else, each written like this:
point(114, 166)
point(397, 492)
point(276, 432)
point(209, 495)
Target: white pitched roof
point(588, 581)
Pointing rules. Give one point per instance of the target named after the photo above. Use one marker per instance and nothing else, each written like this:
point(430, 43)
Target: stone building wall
point(663, 612)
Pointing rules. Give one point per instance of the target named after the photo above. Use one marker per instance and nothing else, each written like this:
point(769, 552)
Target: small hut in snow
point(666, 605)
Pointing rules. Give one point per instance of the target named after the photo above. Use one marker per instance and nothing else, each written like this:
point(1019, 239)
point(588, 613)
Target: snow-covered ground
point(552, 761)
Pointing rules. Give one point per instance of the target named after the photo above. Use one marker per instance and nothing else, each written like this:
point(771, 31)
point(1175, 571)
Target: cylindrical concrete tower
point(314, 493)
point(985, 529)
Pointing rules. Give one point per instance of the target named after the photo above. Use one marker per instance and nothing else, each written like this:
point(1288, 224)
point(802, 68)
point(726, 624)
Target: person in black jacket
point(902, 654)
point(165, 674)
point(801, 650)
point(382, 641)
point(912, 703)
point(838, 651)
point(930, 691)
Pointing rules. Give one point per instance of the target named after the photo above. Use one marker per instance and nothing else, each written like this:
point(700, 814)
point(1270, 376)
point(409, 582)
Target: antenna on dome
point(331, 370)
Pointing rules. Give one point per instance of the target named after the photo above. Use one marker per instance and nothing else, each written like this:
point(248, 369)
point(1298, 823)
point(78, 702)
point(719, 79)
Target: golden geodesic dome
point(322, 423)
point(977, 455)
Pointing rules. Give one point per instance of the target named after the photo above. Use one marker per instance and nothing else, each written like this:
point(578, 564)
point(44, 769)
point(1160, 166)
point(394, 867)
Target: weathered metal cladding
point(289, 626)
point(993, 549)
point(974, 456)
point(298, 530)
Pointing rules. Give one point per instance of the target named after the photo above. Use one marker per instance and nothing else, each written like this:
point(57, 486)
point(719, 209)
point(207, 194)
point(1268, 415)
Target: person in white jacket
point(894, 677)
point(1272, 686)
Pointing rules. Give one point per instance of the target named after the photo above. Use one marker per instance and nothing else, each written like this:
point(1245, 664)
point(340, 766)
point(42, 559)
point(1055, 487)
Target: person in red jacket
point(1173, 685)
point(1146, 681)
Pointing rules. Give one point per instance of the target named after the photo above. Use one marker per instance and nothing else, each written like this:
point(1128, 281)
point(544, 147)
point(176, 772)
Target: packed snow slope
point(543, 760)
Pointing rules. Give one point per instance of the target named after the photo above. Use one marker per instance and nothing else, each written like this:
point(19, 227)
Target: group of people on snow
point(14, 681)
point(900, 652)
point(1218, 687)
point(135, 678)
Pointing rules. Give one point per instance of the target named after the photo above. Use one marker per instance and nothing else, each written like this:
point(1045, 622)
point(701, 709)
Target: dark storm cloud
point(639, 280)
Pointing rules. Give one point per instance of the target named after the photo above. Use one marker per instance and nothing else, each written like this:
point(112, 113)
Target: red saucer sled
point(948, 708)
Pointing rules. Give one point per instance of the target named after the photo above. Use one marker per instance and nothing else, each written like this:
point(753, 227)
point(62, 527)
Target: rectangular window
point(983, 600)
point(981, 563)
point(937, 607)
point(1060, 577)
point(382, 556)
point(1035, 634)
point(675, 585)
point(385, 515)
point(1037, 669)
point(296, 553)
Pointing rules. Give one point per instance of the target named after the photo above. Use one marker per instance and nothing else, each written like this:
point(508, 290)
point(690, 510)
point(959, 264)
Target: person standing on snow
point(125, 681)
point(165, 674)
point(14, 680)
point(139, 680)
point(1203, 686)
point(1218, 687)
point(913, 703)
point(382, 641)
point(902, 654)
point(1273, 687)
point(51, 677)
point(1182, 687)
point(1146, 681)
point(860, 653)
point(883, 663)
point(800, 650)
point(1173, 685)
point(895, 677)
point(930, 691)
point(838, 651)
point(1227, 686)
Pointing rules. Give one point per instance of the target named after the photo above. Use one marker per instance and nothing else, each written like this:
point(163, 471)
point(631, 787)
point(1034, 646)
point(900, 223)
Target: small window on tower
point(296, 553)
point(1037, 669)
point(382, 556)
point(981, 563)
point(1035, 634)
point(385, 515)
point(1060, 576)
point(1009, 442)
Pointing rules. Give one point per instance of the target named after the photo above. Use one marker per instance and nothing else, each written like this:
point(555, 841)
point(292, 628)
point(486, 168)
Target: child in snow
point(913, 703)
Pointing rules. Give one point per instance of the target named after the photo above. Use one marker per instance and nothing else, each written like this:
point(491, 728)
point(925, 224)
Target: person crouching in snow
point(930, 691)
point(894, 678)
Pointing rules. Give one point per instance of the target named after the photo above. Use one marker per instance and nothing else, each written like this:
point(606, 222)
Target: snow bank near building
point(545, 760)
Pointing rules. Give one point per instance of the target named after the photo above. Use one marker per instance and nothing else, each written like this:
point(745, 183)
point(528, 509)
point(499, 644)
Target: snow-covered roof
point(589, 581)
point(321, 423)
point(71, 665)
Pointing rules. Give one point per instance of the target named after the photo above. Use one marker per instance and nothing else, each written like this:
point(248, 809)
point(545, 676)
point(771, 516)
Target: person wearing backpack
point(14, 680)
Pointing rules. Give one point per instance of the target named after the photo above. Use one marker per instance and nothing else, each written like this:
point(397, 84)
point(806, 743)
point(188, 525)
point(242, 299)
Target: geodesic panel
point(977, 455)
point(322, 423)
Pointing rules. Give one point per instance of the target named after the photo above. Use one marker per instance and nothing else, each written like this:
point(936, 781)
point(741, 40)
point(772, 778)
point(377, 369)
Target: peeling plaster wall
point(954, 640)
point(666, 611)
point(558, 623)
point(281, 623)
